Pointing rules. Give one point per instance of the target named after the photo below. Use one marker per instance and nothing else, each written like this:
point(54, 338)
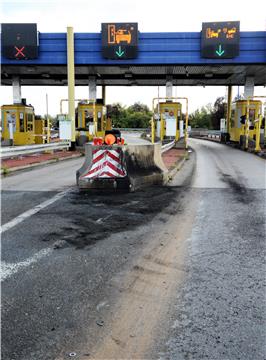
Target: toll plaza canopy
point(176, 56)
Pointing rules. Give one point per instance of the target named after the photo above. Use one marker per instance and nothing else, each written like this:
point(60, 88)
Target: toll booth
point(42, 130)
point(91, 121)
point(169, 123)
point(238, 120)
point(18, 124)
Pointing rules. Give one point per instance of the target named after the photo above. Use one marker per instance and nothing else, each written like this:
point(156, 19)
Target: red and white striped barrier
point(106, 164)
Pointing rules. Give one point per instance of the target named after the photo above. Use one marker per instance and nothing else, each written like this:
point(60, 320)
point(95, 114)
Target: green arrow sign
point(220, 52)
point(120, 52)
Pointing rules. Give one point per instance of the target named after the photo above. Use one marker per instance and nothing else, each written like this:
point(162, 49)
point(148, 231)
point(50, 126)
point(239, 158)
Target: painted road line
point(9, 225)
point(9, 269)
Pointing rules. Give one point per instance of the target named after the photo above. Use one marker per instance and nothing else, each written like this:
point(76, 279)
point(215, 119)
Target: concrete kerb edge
point(171, 173)
point(36, 165)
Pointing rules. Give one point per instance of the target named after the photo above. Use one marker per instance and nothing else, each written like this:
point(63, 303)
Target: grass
point(5, 170)
point(186, 156)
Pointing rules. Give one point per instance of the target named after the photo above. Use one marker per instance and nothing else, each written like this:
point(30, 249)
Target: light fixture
point(31, 68)
point(209, 75)
point(128, 75)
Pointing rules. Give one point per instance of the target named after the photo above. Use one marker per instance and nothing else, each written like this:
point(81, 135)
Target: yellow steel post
point(48, 131)
point(95, 119)
point(66, 100)
point(186, 130)
point(104, 94)
point(258, 125)
point(152, 122)
point(71, 80)
point(229, 107)
point(247, 126)
point(161, 127)
point(152, 130)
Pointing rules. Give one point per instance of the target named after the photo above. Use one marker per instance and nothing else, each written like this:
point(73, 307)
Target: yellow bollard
point(152, 131)
point(71, 80)
point(258, 126)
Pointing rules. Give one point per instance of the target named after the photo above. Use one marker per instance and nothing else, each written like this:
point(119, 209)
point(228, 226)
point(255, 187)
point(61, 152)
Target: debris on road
point(100, 322)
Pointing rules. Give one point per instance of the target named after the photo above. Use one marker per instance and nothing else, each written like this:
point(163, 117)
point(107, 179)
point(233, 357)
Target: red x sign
point(20, 51)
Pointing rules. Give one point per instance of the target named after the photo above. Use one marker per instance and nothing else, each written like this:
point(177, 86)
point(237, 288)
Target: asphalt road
point(172, 272)
point(133, 138)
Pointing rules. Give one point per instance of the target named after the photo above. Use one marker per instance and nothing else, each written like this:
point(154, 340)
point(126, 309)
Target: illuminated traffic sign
point(20, 41)
point(220, 40)
point(120, 40)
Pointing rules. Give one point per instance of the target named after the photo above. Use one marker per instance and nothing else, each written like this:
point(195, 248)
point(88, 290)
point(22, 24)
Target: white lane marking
point(31, 212)
point(9, 269)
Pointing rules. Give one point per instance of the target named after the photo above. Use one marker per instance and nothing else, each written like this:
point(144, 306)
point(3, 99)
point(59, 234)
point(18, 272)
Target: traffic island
point(121, 167)
point(174, 160)
point(127, 167)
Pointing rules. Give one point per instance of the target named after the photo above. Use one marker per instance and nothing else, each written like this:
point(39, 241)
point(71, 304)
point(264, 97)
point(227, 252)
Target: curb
point(30, 166)
point(171, 173)
point(260, 154)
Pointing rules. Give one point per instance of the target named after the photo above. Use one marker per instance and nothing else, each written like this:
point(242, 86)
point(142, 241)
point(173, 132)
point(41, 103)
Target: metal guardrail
point(14, 151)
point(202, 133)
point(133, 129)
point(168, 146)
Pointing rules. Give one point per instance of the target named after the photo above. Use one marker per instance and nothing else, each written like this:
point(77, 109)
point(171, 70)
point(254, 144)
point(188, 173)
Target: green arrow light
point(120, 52)
point(220, 52)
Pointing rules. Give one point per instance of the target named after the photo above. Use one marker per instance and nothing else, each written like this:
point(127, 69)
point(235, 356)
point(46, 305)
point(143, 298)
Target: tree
point(138, 108)
point(135, 116)
point(209, 116)
point(218, 112)
point(117, 113)
point(201, 118)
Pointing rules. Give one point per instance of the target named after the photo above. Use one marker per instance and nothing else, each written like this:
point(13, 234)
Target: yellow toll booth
point(91, 121)
point(237, 121)
point(18, 124)
point(169, 123)
point(42, 131)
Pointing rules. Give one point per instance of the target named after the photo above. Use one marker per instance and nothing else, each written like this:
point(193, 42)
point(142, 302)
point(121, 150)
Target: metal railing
point(133, 129)
point(205, 133)
point(168, 146)
point(14, 151)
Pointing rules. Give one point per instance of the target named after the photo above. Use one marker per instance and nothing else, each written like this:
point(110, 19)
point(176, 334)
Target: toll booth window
point(21, 122)
point(11, 119)
point(232, 119)
point(2, 122)
point(88, 119)
point(99, 121)
point(29, 122)
point(80, 119)
point(88, 122)
point(251, 115)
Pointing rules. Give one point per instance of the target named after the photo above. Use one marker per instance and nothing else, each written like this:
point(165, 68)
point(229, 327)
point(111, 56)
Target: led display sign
point(120, 40)
point(20, 41)
point(220, 40)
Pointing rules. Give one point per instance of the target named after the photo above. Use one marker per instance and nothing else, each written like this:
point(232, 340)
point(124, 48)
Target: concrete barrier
point(121, 167)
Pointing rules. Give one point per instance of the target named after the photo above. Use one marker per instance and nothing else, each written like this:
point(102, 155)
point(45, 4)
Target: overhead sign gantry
point(157, 56)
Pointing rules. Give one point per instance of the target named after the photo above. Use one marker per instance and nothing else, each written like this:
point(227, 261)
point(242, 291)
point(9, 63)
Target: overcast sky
point(87, 16)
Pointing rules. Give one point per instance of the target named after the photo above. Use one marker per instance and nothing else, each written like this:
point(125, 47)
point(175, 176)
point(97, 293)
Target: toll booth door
point(170, 126)
point(158, 128)
point(11, 123)
point(181, 128)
